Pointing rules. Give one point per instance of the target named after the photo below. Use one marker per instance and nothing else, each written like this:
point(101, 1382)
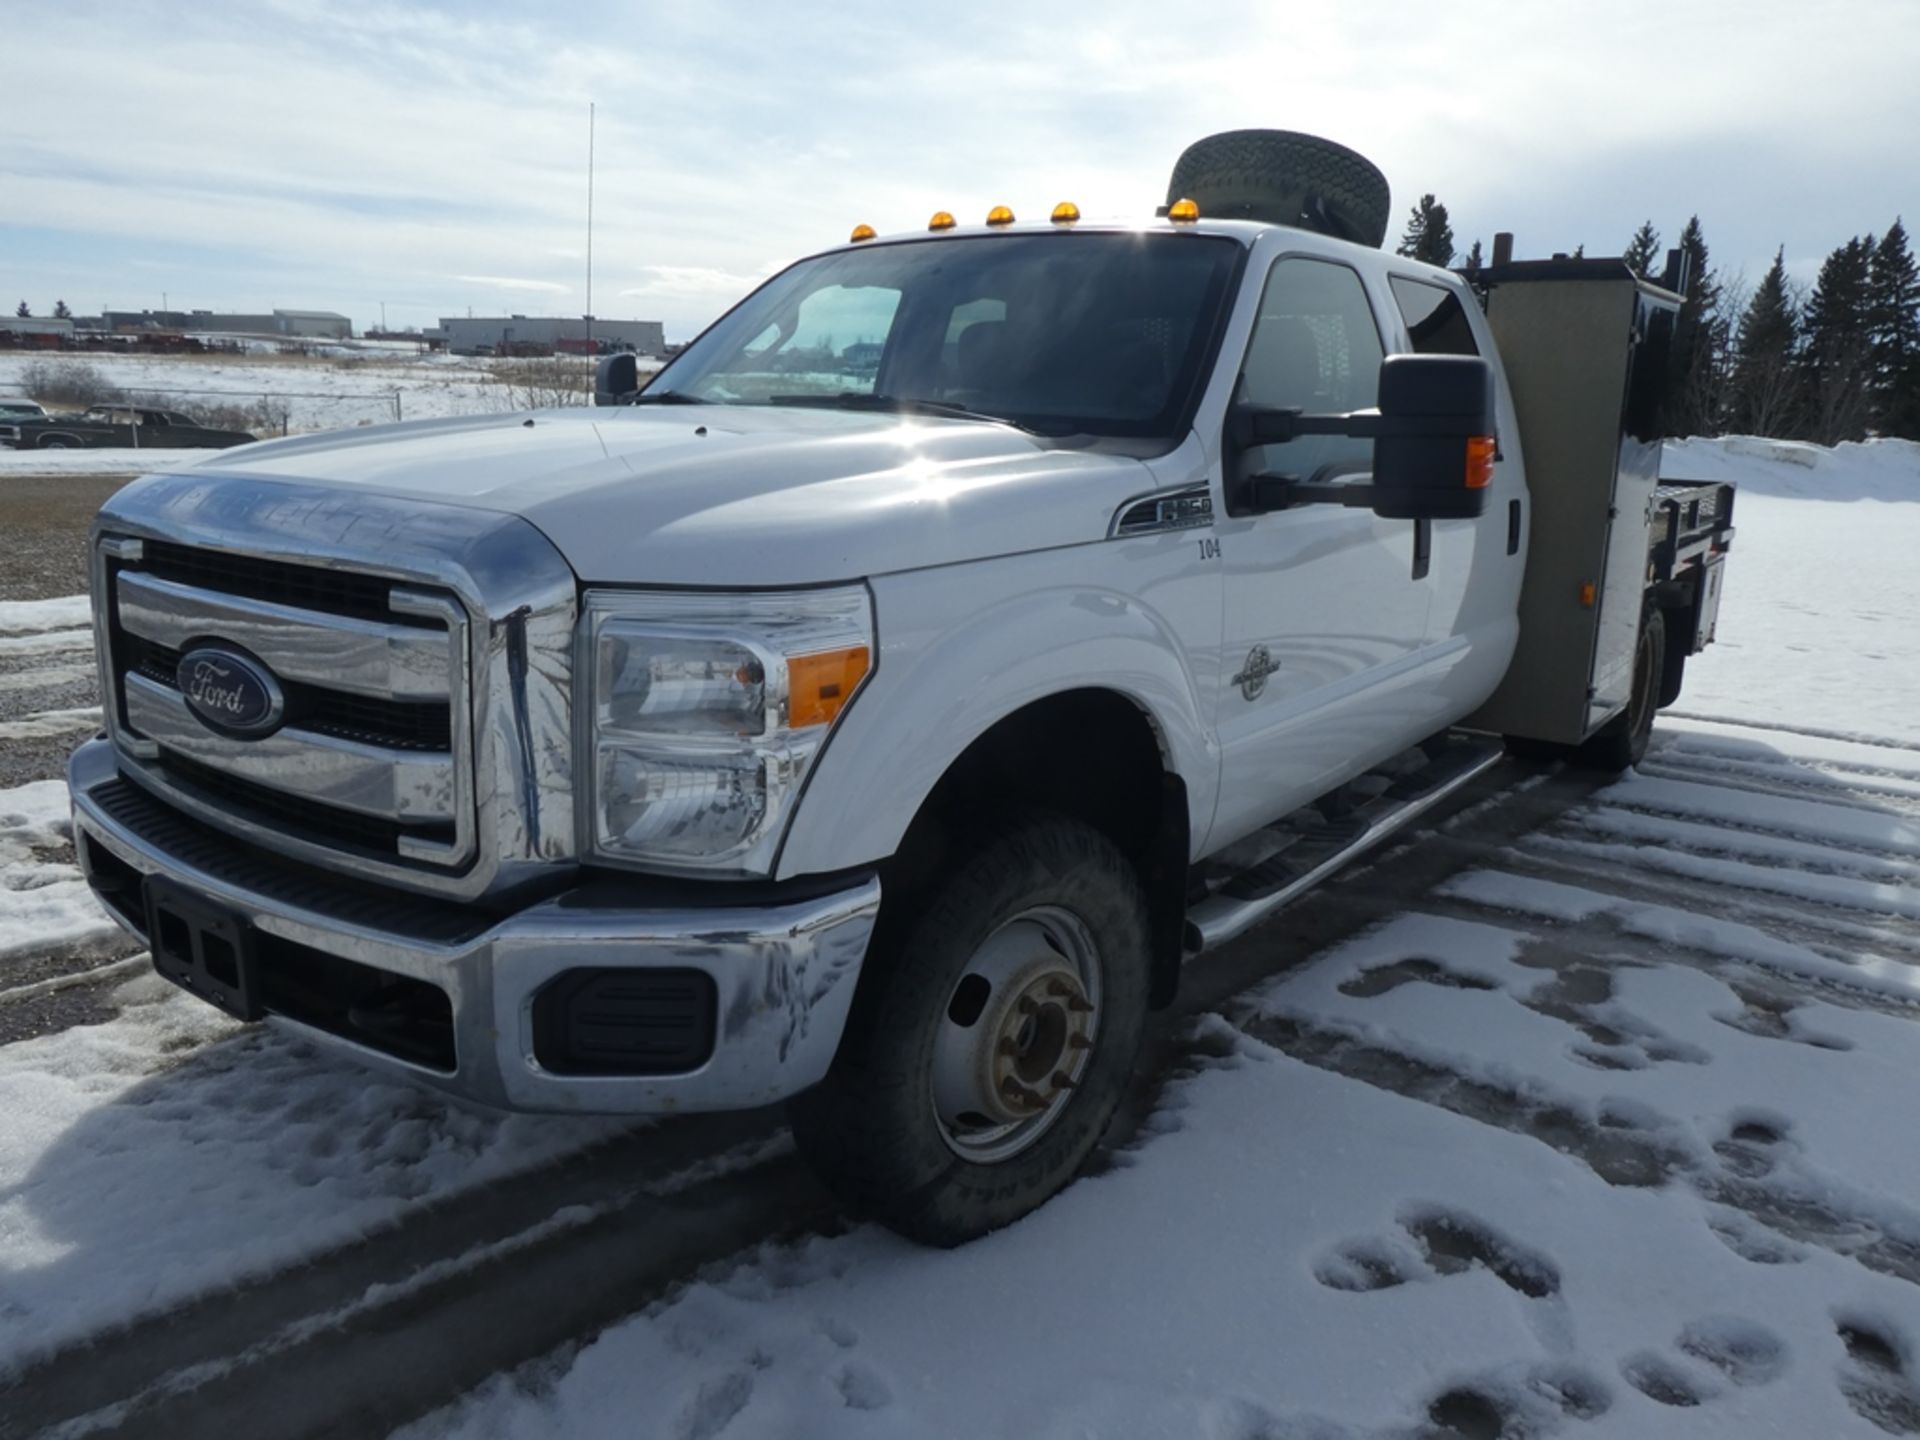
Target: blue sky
point(336, 154)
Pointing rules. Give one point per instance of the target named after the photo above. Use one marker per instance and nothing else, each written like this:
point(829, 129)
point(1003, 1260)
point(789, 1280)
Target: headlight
point(706, 713)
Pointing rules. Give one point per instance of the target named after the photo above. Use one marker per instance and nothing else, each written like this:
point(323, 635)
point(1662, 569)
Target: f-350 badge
point(1252, 678)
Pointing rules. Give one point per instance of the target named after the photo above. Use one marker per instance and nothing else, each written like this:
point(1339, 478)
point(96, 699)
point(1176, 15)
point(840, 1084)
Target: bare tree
point(545, 384)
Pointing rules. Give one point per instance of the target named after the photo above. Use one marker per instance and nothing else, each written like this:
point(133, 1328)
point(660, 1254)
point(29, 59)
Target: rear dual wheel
point(997, 1025)
point(1622, 743)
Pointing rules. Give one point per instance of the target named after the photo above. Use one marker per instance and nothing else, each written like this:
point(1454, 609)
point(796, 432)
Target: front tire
point(998, 1022)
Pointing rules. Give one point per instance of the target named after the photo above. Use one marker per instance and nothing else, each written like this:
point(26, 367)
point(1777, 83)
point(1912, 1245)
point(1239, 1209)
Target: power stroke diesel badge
point(231, 692)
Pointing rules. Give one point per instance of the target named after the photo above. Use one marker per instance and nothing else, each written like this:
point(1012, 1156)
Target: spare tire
point(1283, 177)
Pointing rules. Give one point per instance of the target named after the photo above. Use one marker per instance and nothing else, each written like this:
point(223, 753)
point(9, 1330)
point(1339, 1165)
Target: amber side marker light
point(1065, 213)
point(1000, 215)
point(1480, 453)
point(1587, 592)
point(942, 220)
point(819, 685)
point(861, 232)
point(1183, 212)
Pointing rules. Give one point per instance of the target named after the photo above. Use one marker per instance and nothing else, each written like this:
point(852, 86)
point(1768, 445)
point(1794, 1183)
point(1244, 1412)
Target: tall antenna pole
point(589, 227)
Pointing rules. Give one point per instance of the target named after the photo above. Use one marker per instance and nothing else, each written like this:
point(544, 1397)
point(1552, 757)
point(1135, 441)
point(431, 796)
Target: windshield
point(1094, 333)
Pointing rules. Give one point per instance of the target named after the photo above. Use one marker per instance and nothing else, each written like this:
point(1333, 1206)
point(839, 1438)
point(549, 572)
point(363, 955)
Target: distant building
point(315, 324)
point(548, 334)
point(293, 324)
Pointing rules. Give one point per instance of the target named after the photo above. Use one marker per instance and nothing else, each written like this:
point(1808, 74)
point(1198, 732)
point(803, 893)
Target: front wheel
point(992, 1039)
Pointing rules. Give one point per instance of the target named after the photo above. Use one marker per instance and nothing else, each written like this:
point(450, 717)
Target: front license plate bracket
point(204, 948)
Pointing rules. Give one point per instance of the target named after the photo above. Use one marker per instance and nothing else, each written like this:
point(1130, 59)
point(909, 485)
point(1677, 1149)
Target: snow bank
point(26, 617)
point(104, 461)
point(45, 905)
point(1887, 470)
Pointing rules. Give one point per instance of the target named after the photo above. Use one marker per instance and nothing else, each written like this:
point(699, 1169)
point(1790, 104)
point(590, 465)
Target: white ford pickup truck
point(876, 710)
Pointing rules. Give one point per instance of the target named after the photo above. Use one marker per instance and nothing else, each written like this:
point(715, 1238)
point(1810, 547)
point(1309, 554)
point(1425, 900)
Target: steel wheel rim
point(1016, 1035)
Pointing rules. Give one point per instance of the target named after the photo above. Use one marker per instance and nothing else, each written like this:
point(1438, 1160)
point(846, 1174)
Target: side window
point(1315, 348)
point(1436, 320)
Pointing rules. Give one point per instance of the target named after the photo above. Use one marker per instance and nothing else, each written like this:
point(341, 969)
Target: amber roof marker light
point(1000, 215)
point(1183, 212)
point(861, 232)
point(942, 220)
point(1065, 213)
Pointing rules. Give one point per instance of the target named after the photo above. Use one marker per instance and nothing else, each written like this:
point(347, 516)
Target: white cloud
point(508, 282)
point(334, 152)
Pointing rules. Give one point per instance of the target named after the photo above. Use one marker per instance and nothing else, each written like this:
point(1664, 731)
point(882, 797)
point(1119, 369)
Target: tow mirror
point(616, 379)
point(1434, 461)
point(1433, 444)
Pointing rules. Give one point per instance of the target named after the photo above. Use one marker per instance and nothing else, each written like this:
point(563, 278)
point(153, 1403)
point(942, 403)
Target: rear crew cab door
point(1475, 565)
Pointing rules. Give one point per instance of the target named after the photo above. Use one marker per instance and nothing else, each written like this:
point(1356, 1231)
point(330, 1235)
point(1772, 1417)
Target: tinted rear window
point(1435, 318)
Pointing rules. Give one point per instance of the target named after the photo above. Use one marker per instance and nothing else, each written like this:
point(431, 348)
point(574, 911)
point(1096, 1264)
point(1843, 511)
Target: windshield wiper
point(664, 397)
point(857, 400)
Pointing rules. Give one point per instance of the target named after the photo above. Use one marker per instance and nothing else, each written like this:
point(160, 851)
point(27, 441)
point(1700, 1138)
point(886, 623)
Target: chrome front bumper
point(785, 972)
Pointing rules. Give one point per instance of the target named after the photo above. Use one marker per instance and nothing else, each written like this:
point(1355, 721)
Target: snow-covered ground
point(1821, 620)
point(1604, 1136)
point(106, 460)
point(370, 388)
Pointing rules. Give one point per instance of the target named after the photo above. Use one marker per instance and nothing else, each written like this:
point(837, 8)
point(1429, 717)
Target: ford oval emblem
point(232, 693)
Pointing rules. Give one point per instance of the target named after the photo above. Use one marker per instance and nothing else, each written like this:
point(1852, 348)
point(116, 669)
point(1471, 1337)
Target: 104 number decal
point(1209, 549)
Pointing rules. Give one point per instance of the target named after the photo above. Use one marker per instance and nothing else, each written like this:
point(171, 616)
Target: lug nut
point(1062, 1080)
point(1079, 1042)
point(1028, 1005)
point(1080, 1007)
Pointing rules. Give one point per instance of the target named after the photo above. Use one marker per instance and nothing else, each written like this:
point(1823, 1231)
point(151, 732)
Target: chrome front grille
point(374, 755)
point(424, 652)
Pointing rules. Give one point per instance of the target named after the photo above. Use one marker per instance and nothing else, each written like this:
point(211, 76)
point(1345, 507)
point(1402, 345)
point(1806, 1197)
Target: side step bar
point(1310, 853)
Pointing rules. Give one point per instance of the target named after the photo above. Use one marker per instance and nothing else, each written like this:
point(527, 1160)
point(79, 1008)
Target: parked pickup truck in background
point(115, 426)
point(877, 710)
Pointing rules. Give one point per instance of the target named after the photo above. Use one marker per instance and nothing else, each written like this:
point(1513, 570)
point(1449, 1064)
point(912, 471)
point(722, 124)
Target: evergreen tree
point(1643, 250)
point(1836, 365)
point(60, 310)
point(1580, 251)
point(1893, 326)
point(1474, 262)
point(1763, 385)
point(1429, 236)
point(22, 311)
point(1696, 361)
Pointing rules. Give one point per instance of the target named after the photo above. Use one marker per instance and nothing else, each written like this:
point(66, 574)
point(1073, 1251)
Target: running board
point(1321, 849)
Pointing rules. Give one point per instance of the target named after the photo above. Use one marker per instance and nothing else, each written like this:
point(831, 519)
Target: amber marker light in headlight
point(705, 713)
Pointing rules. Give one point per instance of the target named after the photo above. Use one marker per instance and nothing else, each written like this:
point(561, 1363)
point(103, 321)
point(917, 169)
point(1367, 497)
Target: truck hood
point(724, 495)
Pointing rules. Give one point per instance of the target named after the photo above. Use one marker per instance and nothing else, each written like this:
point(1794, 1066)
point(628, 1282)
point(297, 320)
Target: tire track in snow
point(1835, 940)
point(1850, 737)
point(1621, 1146)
